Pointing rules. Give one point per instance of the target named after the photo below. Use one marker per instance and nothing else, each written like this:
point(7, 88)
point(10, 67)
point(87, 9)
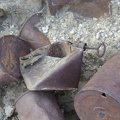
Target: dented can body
point(100, 98)
point(58, 70)
point(31, 34)
point(38, 105)
point(11, 48)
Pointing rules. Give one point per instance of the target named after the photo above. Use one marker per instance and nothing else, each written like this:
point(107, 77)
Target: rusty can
point(100, 98)
point(31, 34)
point(38, 105)
point(61, 72)
point(11, 48)
point(87, 8)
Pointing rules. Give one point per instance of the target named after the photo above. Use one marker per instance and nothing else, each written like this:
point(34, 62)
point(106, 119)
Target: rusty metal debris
point(61, 72)
point(53, 8)
point(38, 105)
point(100, 98)
point(31, 34)
point(11, 48)
point(88, 8)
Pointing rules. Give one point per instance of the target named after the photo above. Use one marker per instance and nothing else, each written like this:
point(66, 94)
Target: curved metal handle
point(103, 50)
point(98, 49)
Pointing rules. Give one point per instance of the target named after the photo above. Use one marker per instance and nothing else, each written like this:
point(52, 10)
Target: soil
point(64, 26)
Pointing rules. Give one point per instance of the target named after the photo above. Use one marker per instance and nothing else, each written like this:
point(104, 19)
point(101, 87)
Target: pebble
point(2, 13)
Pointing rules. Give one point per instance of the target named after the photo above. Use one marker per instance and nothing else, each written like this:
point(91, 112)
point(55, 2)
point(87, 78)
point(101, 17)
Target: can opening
point(103, 94)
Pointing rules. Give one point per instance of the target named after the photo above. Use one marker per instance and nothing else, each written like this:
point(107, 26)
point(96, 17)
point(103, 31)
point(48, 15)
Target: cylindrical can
point(100, 98)
point(11, 48)
point(38, 106)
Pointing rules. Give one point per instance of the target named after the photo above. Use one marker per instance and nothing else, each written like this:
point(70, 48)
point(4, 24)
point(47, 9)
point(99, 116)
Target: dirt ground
point(64, 26)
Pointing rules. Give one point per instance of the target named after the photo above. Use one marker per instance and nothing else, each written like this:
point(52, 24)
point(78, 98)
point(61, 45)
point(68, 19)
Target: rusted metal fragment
point(38, 105)
point(88, 8)
point(31, 34)
point(92, 9)
point(100, 98)
point(53, 8)
point(11, 48)
point(52, 73)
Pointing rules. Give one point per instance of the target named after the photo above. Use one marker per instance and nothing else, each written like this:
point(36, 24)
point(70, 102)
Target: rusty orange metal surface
point(61, 72)
point(31, 34)
point(38, 106)
point(100, 98)
point(11, 48)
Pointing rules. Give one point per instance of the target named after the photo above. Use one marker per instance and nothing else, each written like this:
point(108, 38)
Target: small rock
point(9, 110)
point(1, 113)
point(2, 13)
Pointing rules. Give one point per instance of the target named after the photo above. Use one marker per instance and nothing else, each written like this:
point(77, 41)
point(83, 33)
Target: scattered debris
point(66, 25)
point(100, 98)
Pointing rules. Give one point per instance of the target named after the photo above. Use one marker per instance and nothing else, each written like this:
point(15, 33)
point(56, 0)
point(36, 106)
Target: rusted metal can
point(38, 106)
point(100, 98)
point(87, 8)
point(61, 72)
point(31, 34)
point(11, 48)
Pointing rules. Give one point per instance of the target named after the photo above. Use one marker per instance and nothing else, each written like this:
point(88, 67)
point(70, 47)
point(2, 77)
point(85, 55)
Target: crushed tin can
point(11, 48)
point(31, 34)
point(100, 98)
point(38, 105)
point(53, 67)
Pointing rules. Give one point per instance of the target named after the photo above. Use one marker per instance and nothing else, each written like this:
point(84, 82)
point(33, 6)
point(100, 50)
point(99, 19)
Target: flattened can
point(11, 48)
point(100, 98)
point(44, 72)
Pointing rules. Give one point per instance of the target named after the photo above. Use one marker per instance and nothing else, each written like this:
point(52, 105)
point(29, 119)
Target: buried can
point(59, 72)
point(87, 8)
point(11, 48)
point(38, 106)
point(31, 34)
point(100, 98)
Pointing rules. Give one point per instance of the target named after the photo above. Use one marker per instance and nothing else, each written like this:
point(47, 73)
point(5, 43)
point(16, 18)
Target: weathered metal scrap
point(38, 105)
point(96, 8)
point(100, 98)
point(31, 34)
point(53, 8)
point(61, 72)
point(88, 8)
point(11, 48)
